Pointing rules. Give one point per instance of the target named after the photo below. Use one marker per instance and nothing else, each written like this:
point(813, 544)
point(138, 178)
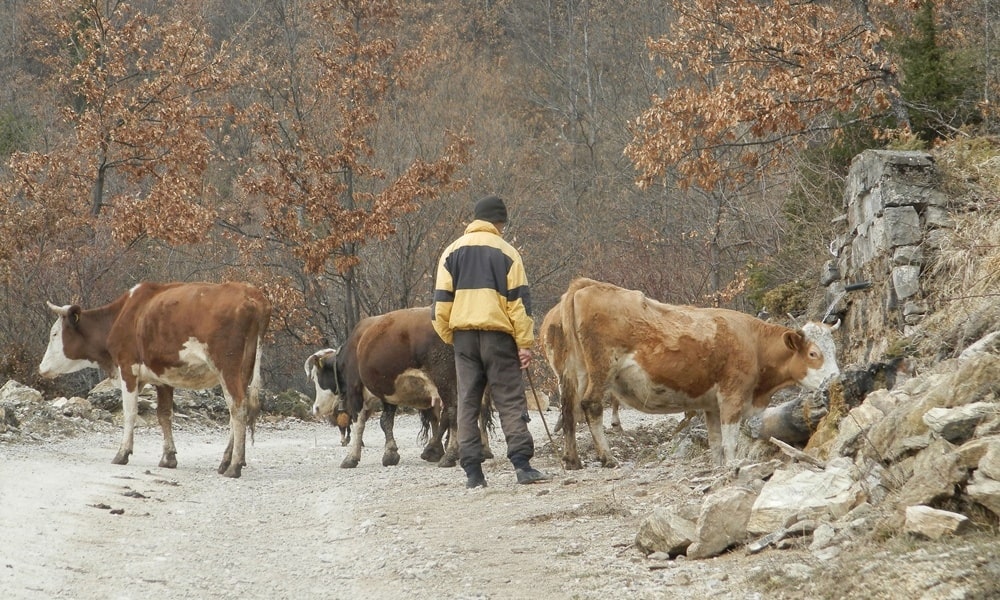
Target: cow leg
point(227, 454)
point(164, 414)
point(449, 426)
point(234, 458)
point(484, 435)
point(616, 422)
point(354, 454)
point(345, 435)
point(730, 428)
point(714, 424)
point(594, 413)
point(730, 440)
point(390, 455)
point(449, 420)
point(571, 459)
point(434, 450)
point(130, 411)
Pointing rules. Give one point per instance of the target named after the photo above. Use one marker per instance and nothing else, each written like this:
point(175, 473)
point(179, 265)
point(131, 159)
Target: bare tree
point(324, 88)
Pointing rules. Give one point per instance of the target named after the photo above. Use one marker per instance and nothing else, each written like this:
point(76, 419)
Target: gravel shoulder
point(296, 525)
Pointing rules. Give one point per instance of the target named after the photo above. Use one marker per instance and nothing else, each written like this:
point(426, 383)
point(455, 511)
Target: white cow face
point(822, 348)
point(327, 401)
point(325, 404)
point(55, 362)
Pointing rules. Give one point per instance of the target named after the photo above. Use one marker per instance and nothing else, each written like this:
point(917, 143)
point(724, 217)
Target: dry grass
point(963, 274)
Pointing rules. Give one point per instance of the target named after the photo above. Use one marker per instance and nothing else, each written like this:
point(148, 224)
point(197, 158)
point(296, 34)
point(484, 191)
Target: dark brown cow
point(398, 359)
point(659, 358)
point(172, 335)
point(392, 360)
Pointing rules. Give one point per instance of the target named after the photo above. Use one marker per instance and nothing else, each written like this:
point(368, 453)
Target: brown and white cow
point(601, 339)
point(398, 359)
point(171, 335)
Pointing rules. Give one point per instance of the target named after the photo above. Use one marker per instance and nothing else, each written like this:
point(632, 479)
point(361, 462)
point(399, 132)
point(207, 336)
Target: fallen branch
point(797, 454)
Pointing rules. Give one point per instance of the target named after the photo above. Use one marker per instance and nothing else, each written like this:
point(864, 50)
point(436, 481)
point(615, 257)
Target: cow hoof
point(609, 463)
point(390, 459)
point(223, 467)
point(235, 471)
point(349, 463)
point(572, 465)
point(121, 458)
point(487, 453)
point(169, 461)
point(432, 454)
point(447, 462)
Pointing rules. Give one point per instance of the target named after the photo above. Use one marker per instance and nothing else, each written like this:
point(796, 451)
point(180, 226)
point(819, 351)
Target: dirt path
point(297, 526)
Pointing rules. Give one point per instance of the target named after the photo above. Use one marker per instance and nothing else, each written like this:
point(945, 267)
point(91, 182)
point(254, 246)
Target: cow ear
point(794, 340)
point(73, 314)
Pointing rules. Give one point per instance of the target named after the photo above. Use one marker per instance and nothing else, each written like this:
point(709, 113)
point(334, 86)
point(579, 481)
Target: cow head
point(321, 369)
point(314, 362)
point(820, 353)
point(67, 351)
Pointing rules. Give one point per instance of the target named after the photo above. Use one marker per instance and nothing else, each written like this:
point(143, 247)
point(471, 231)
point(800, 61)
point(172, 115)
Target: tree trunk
point(352, 313)
point(714, 251)
point(97, 194)
point(887, 72)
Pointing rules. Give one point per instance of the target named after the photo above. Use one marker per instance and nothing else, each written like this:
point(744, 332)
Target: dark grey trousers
point(490, 358)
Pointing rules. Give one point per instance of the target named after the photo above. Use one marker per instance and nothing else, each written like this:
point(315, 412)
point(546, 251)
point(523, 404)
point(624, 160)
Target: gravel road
point(296, 526)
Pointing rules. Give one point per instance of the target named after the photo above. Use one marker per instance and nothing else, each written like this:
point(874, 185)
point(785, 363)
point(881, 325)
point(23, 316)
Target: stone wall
point(895, 212)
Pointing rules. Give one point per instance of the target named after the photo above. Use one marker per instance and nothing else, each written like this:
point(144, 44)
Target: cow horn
point(835, 326)
point(62, 311)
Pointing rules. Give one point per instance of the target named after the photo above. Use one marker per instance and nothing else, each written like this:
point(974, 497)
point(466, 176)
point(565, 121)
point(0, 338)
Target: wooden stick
point(797, 454)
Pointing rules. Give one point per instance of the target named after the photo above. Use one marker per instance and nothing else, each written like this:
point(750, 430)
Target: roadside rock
point(805, 494)
point(722, 522)
point(665, 531)
point(933, 523)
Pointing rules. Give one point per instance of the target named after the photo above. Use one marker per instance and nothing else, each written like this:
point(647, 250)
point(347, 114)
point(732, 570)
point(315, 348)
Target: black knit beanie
point(492, 209)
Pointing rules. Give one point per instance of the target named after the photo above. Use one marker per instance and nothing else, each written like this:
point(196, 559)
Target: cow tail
point(253, 393)
point(425, 425)
point(261, 321)
point(565, 409)
point(486, 412)
point(569, 379)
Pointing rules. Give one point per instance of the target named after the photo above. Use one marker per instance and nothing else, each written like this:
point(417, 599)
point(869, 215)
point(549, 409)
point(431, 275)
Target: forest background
point(328, 151)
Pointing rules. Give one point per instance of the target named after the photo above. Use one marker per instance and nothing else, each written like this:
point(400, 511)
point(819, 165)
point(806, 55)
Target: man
point(481, 306)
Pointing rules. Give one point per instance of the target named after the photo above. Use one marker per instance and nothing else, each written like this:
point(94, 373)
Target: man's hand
point(524, 355)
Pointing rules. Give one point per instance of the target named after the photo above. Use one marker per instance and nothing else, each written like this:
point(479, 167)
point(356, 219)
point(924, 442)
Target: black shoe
point(475, 477)
point(530, 475)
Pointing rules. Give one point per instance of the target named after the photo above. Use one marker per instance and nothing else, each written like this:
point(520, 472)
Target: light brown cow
point(171, 335)
point(601, 339)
